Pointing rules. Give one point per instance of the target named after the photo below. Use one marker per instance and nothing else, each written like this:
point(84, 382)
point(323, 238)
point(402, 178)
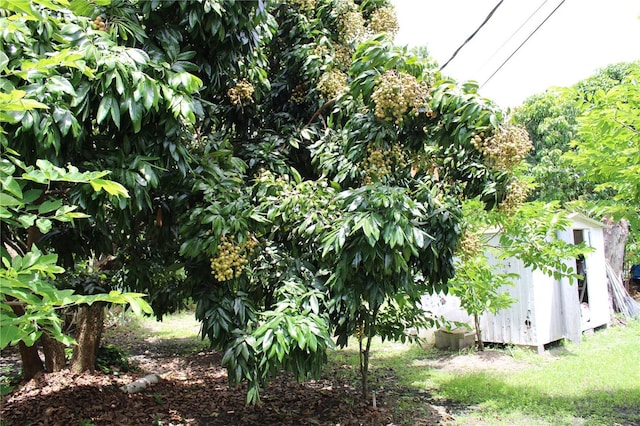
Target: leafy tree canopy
point(289, 168)
point(585, 141)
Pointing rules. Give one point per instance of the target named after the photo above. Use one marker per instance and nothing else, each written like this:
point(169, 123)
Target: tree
point(608, 140)
point(608, 125)
point(551, 120)
point(30, 299)
point(101, 96)
point(556, 124)
point(256, 137)
point(370, 250)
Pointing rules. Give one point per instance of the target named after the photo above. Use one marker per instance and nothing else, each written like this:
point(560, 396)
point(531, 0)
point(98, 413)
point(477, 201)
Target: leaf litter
point(194, 390)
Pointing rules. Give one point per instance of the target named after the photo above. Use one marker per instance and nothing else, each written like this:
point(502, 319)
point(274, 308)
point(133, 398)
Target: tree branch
point(321, 110)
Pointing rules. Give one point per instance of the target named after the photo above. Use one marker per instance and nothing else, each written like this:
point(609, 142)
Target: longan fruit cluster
point(380, 163)
point(469, 246)
point(321, 50)
point(384, 20)
point(231, 258)
point(332, 83)
point(342, 56)
point(303, 5)
point(398, 93)
point(358, 333)
point(505, 148)
point(99, 24)
point(351, 26)
point(517, 193)
point(298, 94)
point(241, 93)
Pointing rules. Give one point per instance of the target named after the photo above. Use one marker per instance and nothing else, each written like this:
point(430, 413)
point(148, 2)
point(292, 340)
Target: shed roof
point(579, 217)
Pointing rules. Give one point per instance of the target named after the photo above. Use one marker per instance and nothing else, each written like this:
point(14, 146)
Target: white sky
point(581, 37)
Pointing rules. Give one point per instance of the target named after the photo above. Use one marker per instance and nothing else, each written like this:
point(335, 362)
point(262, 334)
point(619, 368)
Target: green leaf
point(82, 8)
point(44, 225)
point(27, 220)
point(104, 108)
point(111, 187)
point(58, 84)
point(135, 112)
point(137, 303)
point(4, 61)
point(267, 339)
point(7, 200)
point(20, 6)
point(12, 186)
point(49, 206)
point(313, 301)
point(115, 113)
point(31, 338)
point(8, 333)
point(418, 237)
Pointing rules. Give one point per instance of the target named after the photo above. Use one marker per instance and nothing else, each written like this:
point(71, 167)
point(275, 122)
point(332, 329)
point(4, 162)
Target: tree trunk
point(615, 241)
point(31, 362)
point(90, 320)
point(476, 320)
point(54, 356)
point(365, 353)
point(364, 367)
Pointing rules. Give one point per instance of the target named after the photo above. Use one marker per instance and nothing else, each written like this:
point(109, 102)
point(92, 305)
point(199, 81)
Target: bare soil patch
point(488, 360)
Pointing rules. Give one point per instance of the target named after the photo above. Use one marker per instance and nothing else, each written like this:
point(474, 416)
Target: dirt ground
point(193, 390)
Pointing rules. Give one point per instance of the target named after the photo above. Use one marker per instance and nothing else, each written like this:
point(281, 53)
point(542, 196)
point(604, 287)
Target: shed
point(545, 309)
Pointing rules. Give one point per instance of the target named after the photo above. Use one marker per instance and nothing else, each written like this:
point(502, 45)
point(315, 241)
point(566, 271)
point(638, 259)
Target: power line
point(521, 44)
point(512, 35)
point(472, 35)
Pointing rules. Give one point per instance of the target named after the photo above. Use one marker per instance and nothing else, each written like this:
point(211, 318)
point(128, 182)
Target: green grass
point(595, 383)
point(177, 333)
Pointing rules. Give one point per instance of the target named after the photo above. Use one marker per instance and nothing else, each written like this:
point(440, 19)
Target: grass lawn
point(594, 383)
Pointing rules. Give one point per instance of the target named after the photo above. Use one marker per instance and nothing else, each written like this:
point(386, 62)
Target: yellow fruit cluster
point(398, 93)
point(303, 5)
point(241, 93)
point(231, 258)
point(358, 333)
point(380, 163)
point(332, 83)
point(469, 246)
point(384, 20)
point(342, 56)
point(351, 26)
point(505, 148)
point(298, 94)
point(517, 193)
point(99, 24)
point(321, 50)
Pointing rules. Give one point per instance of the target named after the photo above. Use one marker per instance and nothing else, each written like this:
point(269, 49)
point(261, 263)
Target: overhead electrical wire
point(531, 15)
point(522, 44)
point(472, 35)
